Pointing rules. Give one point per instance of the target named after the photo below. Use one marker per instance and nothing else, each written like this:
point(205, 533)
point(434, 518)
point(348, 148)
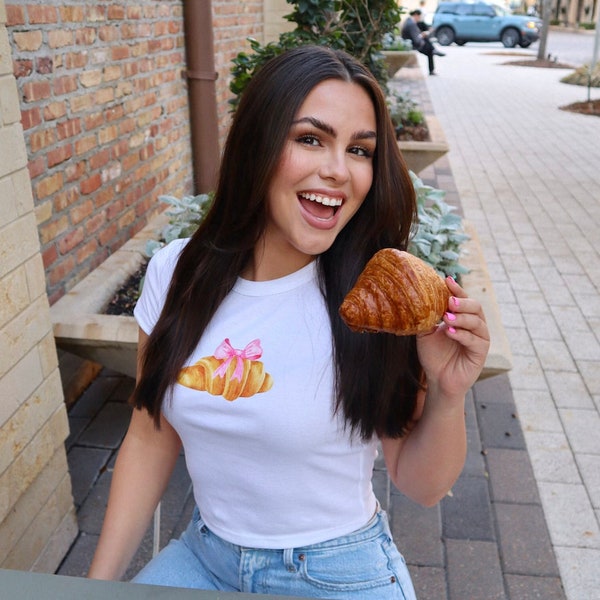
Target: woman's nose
point(335, 167)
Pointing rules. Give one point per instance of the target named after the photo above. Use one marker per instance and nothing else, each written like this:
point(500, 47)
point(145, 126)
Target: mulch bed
point(540, 64)
point(124, 300)
point(414, 133)
point(584, 108)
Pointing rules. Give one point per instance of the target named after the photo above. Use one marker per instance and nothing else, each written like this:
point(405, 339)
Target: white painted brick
point(33, 500)
point(58, 545)
point(9, 100)
point(23, 471)
point(13, 155)
point(18, 384)
point(14, 296)
point(36, 280)
point(5, 52)
point(23, 333)
point(31, 415)
point(8, 206)
point(19, 242)
point(23, 192)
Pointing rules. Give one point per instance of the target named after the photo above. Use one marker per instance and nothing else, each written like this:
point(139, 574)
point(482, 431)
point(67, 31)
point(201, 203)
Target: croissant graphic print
point(229, 372)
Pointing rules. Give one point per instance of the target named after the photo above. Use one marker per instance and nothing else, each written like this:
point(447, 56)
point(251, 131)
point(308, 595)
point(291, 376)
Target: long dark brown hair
point(377, 375)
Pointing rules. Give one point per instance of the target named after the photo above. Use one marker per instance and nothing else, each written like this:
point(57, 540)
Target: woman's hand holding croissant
point(453, 354)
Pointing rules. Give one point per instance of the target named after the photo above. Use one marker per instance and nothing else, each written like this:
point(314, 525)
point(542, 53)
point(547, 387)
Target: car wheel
point(510, 38)
point(445, 35)
point(525, 43)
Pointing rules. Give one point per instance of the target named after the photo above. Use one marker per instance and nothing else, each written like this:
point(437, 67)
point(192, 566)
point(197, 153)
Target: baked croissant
point(201, 376)
point(395, 293)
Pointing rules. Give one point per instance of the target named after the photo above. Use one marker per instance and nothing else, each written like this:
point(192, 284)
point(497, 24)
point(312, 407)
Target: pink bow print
point(226, 351)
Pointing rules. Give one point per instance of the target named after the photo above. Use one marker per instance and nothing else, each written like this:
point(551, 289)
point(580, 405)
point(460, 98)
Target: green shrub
point(186, 215)
point(582, 76)
point(437, 237)
point(356, 26)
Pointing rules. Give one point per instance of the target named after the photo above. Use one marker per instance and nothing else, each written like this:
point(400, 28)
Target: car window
point(464, 9)
point(483, 10)
point(446, 9)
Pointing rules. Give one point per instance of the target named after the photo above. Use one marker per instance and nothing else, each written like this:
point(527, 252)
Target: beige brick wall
point(37, 517)
point(275, 23)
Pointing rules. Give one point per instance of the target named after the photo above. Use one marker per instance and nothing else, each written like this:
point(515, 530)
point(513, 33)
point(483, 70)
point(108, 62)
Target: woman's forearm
point(425, 464)
point(142, 471)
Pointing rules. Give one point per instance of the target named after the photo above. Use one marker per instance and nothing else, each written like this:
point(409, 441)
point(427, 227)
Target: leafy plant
point(356, 26)
point(438, 235)
point(394, 41)
point(404, 110)
point(186, 215)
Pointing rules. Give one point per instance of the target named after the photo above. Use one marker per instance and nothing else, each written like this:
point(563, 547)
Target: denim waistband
point(376, 526)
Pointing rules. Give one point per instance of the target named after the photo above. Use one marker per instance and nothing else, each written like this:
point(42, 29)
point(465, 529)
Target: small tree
point(546, 16)
point(356, 26)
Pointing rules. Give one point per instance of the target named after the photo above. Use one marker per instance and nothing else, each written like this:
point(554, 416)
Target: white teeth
point(322, 199)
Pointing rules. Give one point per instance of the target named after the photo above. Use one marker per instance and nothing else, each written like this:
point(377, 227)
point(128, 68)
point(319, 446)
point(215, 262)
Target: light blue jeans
point(363, 565)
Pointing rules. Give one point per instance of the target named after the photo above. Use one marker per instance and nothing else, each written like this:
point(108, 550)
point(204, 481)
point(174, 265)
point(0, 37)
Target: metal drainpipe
point(201, 75)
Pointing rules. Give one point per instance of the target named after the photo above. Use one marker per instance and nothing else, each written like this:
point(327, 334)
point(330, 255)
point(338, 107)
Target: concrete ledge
point(479, 286)
point(22, 584)
point(419, 155)
point(79, 325)
point(396, 59)
point(81, 328)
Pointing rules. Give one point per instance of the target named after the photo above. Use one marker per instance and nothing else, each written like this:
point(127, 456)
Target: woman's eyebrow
point(316, 123)
point(358, 135)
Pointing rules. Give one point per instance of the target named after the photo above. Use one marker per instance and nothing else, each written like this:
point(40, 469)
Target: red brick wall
point(105, 114)
point(233, 23)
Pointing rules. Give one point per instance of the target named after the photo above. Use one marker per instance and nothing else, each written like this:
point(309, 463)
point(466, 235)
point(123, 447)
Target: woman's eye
point(309, 140)
point(361, 151)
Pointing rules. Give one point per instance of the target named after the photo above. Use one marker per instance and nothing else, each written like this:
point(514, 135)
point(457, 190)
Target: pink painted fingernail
point(451, 330)
point(450, 316)
point(455, 301)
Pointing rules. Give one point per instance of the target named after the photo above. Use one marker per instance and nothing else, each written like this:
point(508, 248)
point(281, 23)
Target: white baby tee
point(271, 466)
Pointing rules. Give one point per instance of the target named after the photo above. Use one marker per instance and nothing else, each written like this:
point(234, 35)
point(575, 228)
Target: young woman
point(245, 361)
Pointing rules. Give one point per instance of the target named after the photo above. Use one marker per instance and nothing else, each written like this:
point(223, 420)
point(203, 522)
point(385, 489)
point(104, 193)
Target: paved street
point(528, 175)
point(574, 48)
point(524, 513)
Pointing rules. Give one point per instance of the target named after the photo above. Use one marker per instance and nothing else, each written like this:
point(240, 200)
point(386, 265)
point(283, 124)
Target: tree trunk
point(546, 16)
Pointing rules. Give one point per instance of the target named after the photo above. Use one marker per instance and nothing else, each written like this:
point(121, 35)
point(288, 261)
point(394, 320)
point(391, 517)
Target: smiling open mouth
point(319, 206)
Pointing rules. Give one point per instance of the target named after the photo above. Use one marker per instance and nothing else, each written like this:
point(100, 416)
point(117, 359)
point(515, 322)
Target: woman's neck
point(265, 266)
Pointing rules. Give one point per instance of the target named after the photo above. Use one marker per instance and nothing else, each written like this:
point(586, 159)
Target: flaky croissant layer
point(395, 293)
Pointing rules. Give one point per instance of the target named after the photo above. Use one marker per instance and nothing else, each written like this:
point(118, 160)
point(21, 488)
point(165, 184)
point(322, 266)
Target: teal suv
point(463, 22)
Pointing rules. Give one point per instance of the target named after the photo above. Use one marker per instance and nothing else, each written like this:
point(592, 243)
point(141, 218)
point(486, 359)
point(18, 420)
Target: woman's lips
point(320, 210)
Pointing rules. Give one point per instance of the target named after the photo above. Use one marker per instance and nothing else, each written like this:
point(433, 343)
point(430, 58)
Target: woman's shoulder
point(163, 261)
point(170, 252)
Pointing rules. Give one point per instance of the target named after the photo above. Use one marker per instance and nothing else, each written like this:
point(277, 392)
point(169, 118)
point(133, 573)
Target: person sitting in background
point(420, 39)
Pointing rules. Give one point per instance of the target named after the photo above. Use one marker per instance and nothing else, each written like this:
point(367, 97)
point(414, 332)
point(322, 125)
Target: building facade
point(94, 126)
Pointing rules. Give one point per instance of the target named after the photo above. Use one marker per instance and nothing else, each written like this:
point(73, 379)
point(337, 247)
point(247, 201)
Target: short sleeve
point(156, 285)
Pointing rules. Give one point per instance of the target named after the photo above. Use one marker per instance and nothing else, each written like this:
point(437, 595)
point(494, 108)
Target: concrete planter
point(478, 285)
point(419, 155)
point(80, 327)
point(396, 59)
